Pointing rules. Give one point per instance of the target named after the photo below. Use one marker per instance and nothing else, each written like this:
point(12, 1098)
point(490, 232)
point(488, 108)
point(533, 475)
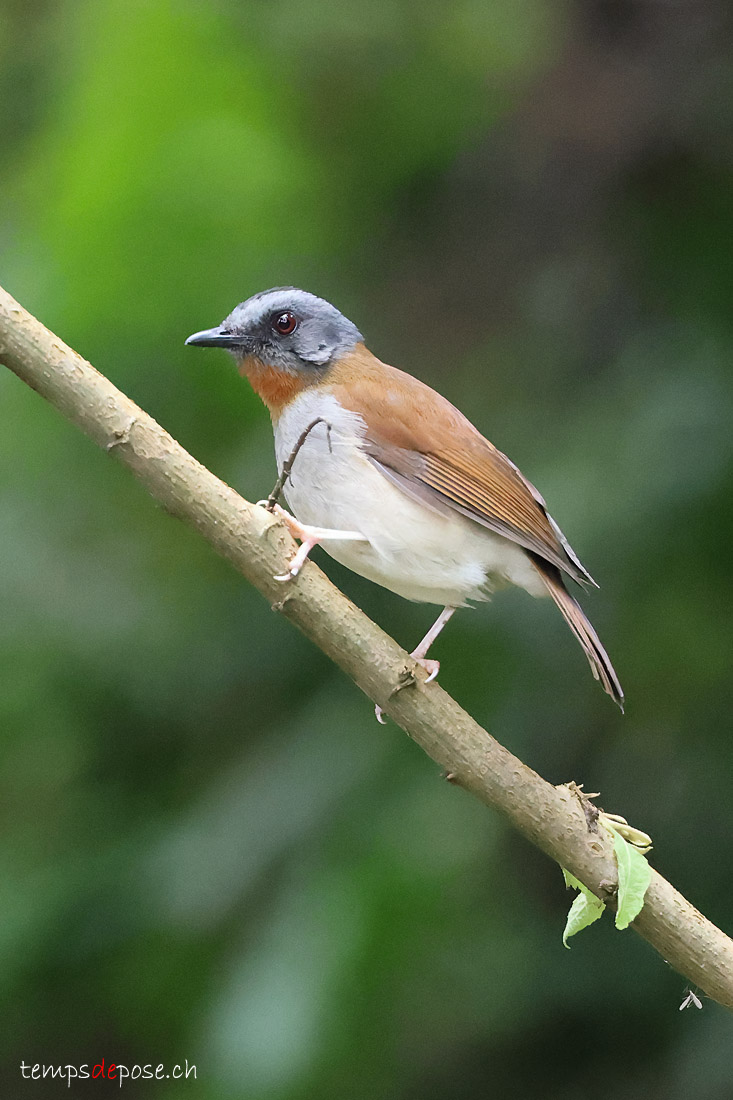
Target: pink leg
point(309, 537)
point(419, 653)
point(298, 559)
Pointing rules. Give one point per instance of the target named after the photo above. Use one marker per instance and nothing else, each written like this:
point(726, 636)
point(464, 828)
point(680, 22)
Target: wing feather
point(428, 448)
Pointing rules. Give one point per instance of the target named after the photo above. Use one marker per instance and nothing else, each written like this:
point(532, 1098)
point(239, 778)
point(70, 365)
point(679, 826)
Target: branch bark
point(257, 545)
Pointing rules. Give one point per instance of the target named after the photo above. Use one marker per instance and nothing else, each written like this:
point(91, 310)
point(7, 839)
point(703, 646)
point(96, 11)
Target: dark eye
point(284, 323)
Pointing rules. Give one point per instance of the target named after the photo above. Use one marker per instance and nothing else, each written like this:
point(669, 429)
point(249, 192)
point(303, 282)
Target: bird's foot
point(431, 667)
point(305, 535)
point(297, 561)
point(308, 537)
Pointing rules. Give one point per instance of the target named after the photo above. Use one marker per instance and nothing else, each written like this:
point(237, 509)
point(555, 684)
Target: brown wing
point(427, 447)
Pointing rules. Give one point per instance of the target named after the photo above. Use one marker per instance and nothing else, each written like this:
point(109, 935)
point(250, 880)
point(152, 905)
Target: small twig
point(287, 467)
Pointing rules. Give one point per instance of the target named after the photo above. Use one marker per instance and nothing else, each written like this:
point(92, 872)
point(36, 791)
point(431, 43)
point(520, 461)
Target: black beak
point(215, 338)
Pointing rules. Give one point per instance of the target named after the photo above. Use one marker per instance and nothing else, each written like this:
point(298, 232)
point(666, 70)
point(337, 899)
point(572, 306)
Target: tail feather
point(581, 627)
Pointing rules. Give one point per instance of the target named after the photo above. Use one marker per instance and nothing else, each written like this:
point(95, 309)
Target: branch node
point(406, 678)
point(278, 605)
point(121, 435)
point(590, 810)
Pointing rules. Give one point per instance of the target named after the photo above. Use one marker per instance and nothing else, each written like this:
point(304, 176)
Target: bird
point(392, 479)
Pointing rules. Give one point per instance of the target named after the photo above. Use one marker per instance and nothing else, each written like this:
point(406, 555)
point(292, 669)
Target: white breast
point(412, 550)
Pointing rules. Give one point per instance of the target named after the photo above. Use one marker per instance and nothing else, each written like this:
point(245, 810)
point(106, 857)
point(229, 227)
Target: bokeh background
point(209, 849)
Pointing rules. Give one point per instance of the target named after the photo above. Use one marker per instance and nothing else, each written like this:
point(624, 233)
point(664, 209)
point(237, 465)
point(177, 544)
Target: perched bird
point(390, 477)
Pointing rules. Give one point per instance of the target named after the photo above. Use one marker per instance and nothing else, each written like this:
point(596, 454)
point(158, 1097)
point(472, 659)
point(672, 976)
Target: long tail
point(576, 619)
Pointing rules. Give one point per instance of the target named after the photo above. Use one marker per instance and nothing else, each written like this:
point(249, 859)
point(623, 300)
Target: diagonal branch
point(257, 545)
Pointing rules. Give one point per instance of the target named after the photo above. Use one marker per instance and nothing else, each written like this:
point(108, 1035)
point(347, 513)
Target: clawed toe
point(431, 667)
point(297, 561)
point(307, 536)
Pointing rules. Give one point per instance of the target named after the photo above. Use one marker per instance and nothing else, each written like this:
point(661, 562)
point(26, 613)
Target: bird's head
point(284, 329)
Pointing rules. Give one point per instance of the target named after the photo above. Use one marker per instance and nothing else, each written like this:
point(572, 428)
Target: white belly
point(412, 550)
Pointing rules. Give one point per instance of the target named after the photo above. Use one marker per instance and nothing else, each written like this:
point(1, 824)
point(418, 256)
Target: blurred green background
point(209, 849)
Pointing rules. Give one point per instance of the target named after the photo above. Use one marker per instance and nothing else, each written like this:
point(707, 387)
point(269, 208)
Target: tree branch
point(257, 545)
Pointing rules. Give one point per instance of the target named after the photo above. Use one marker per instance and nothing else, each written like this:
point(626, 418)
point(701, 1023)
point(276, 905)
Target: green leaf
point(634, 876)
point(571, 881)
point(575, 884)
point(584, 911)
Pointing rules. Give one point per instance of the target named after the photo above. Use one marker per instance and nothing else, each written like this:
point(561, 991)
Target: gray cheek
point(321, 355)
point(283, 357)
point(318, 340)
point(311, 347)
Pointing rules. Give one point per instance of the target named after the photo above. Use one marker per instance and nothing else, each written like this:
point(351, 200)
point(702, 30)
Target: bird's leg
point(308, 537)
point(419, 653)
